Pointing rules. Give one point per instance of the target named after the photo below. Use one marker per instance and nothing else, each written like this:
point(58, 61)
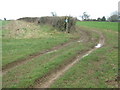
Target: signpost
point(66, 21)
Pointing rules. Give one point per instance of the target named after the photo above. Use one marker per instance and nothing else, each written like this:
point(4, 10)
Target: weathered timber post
point(66, 21)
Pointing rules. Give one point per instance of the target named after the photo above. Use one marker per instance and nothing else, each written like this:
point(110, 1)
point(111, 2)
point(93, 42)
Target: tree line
point(115, 17)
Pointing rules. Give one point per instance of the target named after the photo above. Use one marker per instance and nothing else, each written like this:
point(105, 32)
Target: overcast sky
point(13, 9)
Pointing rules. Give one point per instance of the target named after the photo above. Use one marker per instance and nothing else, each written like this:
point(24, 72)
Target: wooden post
point(66, 21)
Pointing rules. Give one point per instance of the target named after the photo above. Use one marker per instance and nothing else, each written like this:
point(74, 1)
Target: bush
point(57, 22)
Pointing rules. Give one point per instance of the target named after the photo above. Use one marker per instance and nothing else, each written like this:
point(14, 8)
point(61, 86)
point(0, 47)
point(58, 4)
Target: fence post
point(66, 21)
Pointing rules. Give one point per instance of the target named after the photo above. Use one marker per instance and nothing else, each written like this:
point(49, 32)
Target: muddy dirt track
point(12, 65)
point(47, 80)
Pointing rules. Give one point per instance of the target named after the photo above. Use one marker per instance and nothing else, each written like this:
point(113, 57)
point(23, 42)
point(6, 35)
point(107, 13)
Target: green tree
point(103, 18)
point(98, 19)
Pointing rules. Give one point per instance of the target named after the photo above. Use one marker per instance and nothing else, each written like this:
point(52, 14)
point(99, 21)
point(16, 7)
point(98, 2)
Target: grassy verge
point(20, 39)
point(98, 70)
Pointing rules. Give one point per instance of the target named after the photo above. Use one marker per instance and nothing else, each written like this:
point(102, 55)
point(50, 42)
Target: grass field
point(26, 74)
point(100, 25)
point(22, 39)
point(40, 66)
point(99, 69)
point(29, 39)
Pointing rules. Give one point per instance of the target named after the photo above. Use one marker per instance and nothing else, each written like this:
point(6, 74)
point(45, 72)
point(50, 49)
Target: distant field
point(100, 25)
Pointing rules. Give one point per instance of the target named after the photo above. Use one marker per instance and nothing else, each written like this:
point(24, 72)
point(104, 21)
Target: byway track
point(49, 79)
point(17, 63)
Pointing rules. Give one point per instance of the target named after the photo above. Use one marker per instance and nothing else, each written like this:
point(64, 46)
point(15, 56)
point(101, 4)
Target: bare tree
point(53, 13)
point(114, 17)
point(85, 16)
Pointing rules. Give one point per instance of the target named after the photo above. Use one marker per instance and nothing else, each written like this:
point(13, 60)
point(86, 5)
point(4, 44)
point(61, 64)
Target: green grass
point(100, 25)
point(16, 47)
point(2, 23)
point(97, 70)
point(25, 75)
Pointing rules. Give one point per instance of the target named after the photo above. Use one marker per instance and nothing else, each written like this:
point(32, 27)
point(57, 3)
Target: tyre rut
point(17, 63)
point(49, 79)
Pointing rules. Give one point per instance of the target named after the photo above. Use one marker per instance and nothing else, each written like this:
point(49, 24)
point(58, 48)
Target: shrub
point(57, 22)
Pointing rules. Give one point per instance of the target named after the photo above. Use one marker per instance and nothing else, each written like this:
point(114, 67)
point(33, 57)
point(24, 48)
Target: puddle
point(78, 41)
point(52, 51)
point(98, 45)
point(87, 53)
point(60, 72)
